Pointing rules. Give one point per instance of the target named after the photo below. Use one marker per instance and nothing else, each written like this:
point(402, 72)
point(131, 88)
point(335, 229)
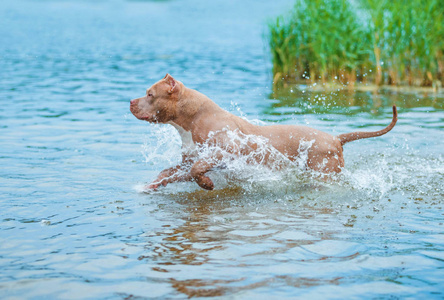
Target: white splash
point(376, 175)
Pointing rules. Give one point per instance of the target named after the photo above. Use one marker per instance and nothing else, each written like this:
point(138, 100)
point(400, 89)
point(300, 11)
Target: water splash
point(374, 175)
point(260, 168)
point(162, 146)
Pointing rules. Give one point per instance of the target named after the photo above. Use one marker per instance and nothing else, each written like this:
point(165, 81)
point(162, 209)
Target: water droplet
point(45, 222)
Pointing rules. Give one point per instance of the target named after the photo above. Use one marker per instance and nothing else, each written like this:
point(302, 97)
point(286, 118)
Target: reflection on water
point(300, 100)
point(73, 223)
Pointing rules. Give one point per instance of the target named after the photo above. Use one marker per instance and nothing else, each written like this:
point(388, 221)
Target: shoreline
point(359, 87)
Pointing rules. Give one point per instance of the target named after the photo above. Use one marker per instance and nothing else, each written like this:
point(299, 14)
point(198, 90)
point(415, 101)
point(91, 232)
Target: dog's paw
point(153, 186)
point(205, 183)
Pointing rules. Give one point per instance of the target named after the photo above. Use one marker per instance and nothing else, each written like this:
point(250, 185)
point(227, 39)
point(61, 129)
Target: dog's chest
point(188, 144)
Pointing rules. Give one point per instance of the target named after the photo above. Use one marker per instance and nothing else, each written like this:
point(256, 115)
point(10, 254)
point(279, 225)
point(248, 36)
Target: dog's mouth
point(137, 113)
point(150, 119)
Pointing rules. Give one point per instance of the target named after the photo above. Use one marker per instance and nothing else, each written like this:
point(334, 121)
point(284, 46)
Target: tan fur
point(195, 115)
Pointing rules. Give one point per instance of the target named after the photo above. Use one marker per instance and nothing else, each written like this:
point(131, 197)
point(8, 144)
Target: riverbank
point(326, 98)
point(329, 87)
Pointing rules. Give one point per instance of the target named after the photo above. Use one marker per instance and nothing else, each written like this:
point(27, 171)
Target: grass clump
point(394, 42)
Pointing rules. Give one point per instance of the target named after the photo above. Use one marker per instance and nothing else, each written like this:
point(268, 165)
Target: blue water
point(73, 220)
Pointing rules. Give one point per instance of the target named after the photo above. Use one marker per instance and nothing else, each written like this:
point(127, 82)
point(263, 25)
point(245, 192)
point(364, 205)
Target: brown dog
point(202, 123)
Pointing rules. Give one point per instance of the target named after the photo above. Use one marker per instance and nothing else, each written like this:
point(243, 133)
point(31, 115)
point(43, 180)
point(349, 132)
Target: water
point(74, 224)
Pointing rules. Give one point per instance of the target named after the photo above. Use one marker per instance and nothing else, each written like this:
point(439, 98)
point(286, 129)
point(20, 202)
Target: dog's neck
point(191, 106)
point(188, 145)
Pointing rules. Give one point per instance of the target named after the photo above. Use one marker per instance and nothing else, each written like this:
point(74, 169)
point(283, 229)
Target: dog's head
point(159, 103)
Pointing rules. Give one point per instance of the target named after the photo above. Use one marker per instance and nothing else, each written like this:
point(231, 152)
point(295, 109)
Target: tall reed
point(380, 41)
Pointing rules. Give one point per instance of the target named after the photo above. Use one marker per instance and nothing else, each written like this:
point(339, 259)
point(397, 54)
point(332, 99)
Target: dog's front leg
point(169, 175)
point(178, 173)
point(198, 171)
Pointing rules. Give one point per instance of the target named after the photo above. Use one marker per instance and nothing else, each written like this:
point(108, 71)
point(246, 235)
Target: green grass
point(371, 41)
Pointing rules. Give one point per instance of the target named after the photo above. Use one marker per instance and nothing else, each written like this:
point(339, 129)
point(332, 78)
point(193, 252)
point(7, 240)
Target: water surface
point(73, 223)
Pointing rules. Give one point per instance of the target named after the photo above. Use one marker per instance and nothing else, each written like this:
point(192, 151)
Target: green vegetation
point(394, 42)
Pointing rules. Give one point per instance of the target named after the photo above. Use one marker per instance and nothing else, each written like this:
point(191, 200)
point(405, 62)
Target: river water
point(75, 224)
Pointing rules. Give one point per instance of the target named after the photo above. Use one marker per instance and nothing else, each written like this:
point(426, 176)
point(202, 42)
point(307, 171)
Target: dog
point(202, 123)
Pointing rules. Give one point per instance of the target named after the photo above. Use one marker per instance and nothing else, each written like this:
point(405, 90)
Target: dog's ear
point(171, 82)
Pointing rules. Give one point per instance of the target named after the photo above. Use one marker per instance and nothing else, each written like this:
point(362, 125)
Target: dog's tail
point(353, 136)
